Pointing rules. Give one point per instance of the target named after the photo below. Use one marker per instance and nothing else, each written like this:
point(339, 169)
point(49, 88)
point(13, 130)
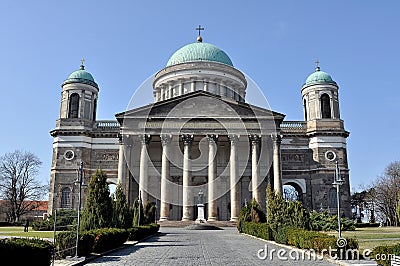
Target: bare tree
point(19, 184)
point(387, 190)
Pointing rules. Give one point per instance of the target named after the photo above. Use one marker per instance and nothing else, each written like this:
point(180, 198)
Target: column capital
point(145, 138)
point(233, 138)
point(187, 138)
point(120, 139)
point(254, 138)
point(165, 139)
point(276, 138)
point(212, 138)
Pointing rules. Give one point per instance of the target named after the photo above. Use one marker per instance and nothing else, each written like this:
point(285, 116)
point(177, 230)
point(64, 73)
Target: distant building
point(201, 134)
point(38, 210)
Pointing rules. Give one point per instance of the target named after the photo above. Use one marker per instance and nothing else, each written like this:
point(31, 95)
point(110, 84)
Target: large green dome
point(81, 76)
point(199, 51)
point(319, 77)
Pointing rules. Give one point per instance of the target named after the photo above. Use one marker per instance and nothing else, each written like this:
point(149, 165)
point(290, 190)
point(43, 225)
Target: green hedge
point(100, 240)
point(297, 237)
point(382, 254)
point(140, 232)
point(363, 225)
point(261, 230)
point(26, 251)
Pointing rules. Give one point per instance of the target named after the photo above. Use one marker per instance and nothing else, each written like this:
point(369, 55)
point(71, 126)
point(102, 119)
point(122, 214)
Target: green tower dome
point(199, 51)
point(319, 77)
point(81, 76)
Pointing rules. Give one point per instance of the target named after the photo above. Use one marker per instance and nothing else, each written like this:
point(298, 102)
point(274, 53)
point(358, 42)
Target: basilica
point(200, 141)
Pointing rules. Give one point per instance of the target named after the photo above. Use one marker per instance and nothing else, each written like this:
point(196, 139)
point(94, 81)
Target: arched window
point(73, 105)
point(66, 198)
point(325, 106)
point(305, 110)
point(332, 198)
point(94, 109)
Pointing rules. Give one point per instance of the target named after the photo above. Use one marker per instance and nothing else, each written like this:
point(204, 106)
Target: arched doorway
point(112, 187)
point(292, 191)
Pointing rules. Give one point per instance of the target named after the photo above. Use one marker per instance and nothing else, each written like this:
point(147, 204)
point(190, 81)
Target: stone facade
point(201, 135)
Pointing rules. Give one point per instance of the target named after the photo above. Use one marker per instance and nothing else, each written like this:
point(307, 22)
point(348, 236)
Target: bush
point(100, 240)
point(109, 238)
point(33, 250)
point(285, 213)
point(323, 221)
point(378, 251)
point(66, 219)
point(363, 225)
point(261, 230)
point(65, 244)
point(383, 254)
point(139, 232)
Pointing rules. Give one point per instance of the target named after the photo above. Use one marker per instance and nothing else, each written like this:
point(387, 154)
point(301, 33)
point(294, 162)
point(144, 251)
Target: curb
point(98, 255)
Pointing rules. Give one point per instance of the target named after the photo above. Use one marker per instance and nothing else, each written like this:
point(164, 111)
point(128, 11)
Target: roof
point(199, 51)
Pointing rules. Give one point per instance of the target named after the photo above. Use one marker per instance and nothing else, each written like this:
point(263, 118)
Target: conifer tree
point(97, 212)
point(137, 213)
point(121, 211)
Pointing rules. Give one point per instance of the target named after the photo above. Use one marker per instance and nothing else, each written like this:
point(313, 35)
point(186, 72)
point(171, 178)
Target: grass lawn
point(372, 237)
point(18, 231)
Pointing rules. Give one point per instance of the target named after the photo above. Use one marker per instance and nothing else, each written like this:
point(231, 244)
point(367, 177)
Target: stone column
point(187, 195)
point(180, 88)
point(192, 86)
point(277, 164)
point(143, 175)
point(255, 180)
point(212, 175)
point(170, 90)
point(121, 163)
point(205, 85)
point(234, 139)
point(162, 93)
point(157, 94)
point(165, 177)
point(222, 90)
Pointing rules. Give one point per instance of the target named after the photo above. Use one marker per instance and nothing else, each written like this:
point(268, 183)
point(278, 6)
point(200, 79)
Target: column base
point(186, 219)
point(212, 219)
point(162, 219)
point(234, 219)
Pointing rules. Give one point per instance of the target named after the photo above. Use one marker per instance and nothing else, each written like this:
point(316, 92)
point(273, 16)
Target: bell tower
point(320, 96)
point(327, 135)
point(73, 136)
point(79, 96)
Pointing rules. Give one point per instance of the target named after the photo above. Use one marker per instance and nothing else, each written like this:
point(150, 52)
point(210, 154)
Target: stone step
point(186, 223)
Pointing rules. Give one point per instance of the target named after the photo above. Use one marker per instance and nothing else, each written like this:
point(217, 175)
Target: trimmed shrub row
point(363, 225)
point(383, 254)
point(261, 230)
point(100, 240)
point(140, 232)
point(24, 251)
point(297, 237)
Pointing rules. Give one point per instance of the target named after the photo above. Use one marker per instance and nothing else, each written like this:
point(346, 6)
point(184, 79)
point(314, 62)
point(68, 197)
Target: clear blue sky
point(274, 42)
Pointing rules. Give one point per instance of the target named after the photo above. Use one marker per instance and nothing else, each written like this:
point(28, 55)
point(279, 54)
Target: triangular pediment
point(200, 104)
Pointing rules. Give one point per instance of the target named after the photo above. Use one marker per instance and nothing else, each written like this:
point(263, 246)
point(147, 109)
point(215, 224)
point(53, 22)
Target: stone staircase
point(187, 223)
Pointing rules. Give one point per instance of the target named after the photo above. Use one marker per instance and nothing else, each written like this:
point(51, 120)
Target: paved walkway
point(179, 246)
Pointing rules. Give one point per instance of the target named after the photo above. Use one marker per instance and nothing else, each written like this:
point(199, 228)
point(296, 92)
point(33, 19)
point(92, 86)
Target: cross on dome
point(317, 68)
point(82, 64)
point(199, 28)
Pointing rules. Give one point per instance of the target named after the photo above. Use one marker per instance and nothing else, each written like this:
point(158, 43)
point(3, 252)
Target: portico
point(230, 159)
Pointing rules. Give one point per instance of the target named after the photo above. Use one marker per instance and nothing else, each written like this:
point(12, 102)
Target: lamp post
point(139, 202)
point(79, 181)
point(337, 182)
